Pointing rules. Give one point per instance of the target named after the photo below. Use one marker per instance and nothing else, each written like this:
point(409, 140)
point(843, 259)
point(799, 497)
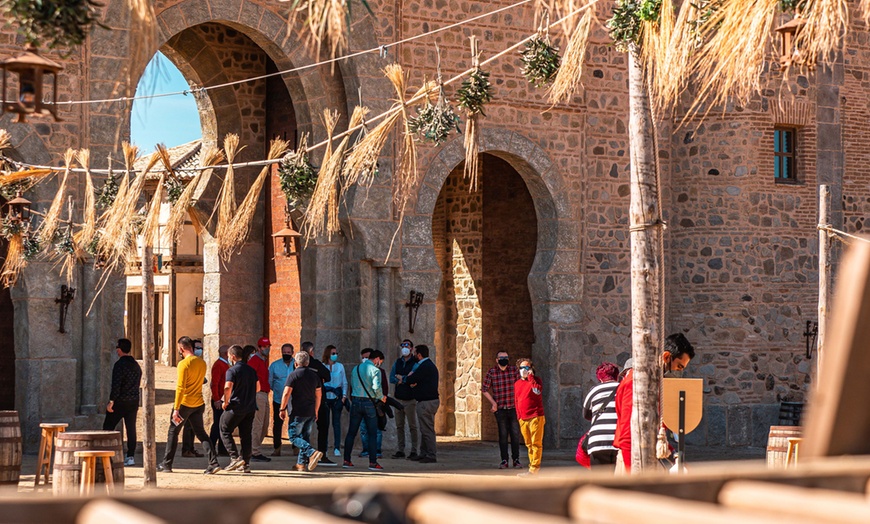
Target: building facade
point(535, 261)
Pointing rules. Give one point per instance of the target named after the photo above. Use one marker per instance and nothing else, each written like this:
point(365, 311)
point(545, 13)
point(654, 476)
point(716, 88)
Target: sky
point(170, 120)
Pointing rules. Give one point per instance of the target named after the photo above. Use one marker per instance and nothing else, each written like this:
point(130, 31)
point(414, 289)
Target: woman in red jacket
point(530, 412)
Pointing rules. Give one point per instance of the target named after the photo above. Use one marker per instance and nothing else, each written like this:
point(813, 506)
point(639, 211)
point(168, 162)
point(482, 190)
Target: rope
point(834, 232)
point(262, 163)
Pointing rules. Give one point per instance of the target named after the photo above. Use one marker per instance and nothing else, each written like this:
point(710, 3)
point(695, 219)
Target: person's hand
point(283, 414)
point(109, 407)
point(494, 407)
point(176, 417)
point(225, 405)
point(218, 404)
point(384, 400)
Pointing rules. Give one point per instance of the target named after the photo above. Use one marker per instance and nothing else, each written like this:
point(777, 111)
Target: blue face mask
point(333, 358)
point(198, 352)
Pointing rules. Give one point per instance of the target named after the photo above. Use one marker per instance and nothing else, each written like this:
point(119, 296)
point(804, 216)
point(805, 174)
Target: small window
point(785, 157)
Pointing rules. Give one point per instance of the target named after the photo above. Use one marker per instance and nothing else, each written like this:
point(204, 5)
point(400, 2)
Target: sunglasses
point(333, 353)
point(527, 368)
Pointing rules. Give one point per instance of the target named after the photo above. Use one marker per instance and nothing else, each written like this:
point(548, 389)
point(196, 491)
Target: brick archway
point(553, 284)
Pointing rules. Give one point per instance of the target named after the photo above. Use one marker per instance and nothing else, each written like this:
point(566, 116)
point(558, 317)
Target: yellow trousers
point(533, 434)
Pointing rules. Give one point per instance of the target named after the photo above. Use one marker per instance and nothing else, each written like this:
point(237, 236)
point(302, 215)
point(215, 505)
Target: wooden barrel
point(10, 448)
point(68, 468)
point(777, 444)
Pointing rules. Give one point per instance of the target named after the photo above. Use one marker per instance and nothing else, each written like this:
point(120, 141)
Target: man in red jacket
point(528, 391)
point(675, 358)
point(218, 381)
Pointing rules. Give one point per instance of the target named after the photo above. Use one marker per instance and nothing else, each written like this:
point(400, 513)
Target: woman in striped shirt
point(600, 408)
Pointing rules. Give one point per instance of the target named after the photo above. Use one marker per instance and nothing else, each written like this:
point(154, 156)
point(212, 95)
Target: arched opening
point(7, 335)
point(235, 309)
point(485, 243)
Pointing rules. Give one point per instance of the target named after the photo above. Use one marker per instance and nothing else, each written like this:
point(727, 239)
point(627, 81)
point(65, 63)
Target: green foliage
point(13, 189)
point(625, 24)
point(56, 23)
point(476, 92)
point(541, 61)
point(108, 193)
point(792, 6)
point(31, 247)
point(63, 241)
point(298, 178)
point(10, 228)
point(174, 188)
point(435, 122)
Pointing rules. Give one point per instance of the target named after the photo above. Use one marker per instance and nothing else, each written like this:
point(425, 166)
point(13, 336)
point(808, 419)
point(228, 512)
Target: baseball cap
point(628, 364)
point(263, 342)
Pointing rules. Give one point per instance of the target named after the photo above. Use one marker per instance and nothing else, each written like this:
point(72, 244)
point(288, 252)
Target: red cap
point(263, 342)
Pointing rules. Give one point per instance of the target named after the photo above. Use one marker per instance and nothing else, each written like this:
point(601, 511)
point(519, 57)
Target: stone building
point(535, 261)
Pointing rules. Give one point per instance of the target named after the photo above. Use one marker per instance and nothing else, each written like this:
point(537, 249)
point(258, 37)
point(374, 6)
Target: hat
point(263, 342)
point(628, 365)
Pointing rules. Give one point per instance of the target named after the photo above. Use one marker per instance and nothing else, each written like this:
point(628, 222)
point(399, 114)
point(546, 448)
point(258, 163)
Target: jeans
point(244, 421)
point(215, 433)
point(508, 425)
point(364, 437)
point(426, 410)
point(362, 412)
point(277, 425)
point(334, 409)
point(409, 414)
point(194, 415)
point(127, 410)
point(299, 430)
point(533, 432)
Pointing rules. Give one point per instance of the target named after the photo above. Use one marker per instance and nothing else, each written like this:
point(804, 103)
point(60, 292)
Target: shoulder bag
point(379, 408)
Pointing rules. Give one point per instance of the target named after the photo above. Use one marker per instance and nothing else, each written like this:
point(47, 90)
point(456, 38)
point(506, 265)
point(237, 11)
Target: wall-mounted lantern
point(789, 54)
point(413, 305)
point(19, 210)
point(30, 68)
point(199, 308)
point(287, 235)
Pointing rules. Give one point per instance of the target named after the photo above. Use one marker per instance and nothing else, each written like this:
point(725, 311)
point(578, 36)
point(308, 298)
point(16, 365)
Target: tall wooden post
point(149, 455)
point(824, 271)
point(645, 228)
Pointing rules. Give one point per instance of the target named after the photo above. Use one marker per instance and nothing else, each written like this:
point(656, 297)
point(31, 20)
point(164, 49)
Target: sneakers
point(163, 468)
point(191, 454)
point(347, 464)
point(374, 466)
point(414, 456)
point(235, 464)
point(245, 469)
point(427, 460)
point(380, 455)
point(261, 458)
point(277, 452)
point(503, 465)
point(211, 470)
point(300, 467)
point(337, 452)
point(363, 453)
point(314, 459)
point(399, 455)
point(129, 461)
point(517, 464)
point(324, 461)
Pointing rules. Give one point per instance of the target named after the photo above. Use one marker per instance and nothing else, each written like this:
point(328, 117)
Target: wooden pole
point(824, 271)
point(149, 455)
point(645, 226)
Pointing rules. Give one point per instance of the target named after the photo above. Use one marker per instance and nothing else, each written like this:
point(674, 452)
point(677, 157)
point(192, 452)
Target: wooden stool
point(793, 446)
point(89, 470)
point(46, 451)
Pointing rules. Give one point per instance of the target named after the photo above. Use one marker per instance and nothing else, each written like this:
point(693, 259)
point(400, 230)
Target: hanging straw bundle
point(226, 207)
point(86, 234)
point(67, 249)
point(15, 261)
point(568, 77)
point(151, 229)
point(366, 175)
point(5, 140)
point(476, 91)
point(51, 219)
point(240, 227)
point(143, 39)
point(10, 178)
point(185, 205)
point(326, 21)
point(822, 35)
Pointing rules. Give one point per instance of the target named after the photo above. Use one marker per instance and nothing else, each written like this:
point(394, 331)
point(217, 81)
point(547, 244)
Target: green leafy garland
point(63, 241)
point(540, 58)
point(297, 176)
point(174, 188)
point(10, 228)
point(31, 247)
point(625, 24)
point(108, 193)
point(435, 122)
point(476, 92)
point(57, 23)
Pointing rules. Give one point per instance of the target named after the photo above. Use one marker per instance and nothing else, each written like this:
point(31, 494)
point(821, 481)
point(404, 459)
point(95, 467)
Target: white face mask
point(406, 351)
point(524, 373)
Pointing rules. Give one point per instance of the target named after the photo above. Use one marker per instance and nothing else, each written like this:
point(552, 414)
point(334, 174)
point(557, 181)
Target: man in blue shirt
point(278, 372)
point(366, 390)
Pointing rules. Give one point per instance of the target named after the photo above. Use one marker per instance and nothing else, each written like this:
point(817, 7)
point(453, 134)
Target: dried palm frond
point(475, 93)
point(143, 39)
point(358, 118)
point(240, 226)
point(226, 207)
point(568, 77)
point(560, 10)
point(86, 234)
point(151, 229)
point(17, 176)
point(14, 262)
point(326, 21)
point(51, 219)
point(5, 139)
point(822, 35)
point(731, 59)
point(68, 252)
point(184, 205)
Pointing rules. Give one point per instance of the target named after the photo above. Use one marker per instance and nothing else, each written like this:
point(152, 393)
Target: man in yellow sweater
point(189, 405)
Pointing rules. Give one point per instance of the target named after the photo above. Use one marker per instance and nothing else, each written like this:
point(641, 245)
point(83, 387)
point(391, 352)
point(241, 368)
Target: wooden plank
point(110, 512)
point(596, 505)
point(280, 511)
point(838, 421)
point(783, 501)
point(438, 508)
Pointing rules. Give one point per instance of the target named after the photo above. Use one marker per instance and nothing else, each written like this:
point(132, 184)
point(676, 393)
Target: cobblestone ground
point(456, 458)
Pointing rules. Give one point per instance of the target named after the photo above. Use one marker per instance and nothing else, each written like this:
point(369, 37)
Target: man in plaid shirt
point(498, 388)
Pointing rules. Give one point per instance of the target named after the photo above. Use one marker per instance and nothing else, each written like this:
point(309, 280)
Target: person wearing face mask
point(239, 403)
point(278, 372)
point(678, 351)
point(498, 388)
point(322, 411)
point(366, 389)
point(124, 396)
point(218, 381)
point(336, 395)
point(260, 362)
point(401, 369)
point(529, 393)
point(424, 383)
point(363, 429)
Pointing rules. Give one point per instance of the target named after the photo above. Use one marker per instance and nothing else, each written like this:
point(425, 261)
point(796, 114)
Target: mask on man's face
point(503, 361)
point(198, 352)
point(286, 358)
point(406, 351)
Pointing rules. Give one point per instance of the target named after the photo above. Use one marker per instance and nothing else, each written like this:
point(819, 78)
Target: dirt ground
point(456, 457)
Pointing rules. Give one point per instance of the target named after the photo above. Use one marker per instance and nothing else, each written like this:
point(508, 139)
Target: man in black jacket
point(239, 403)
point(124, 397)
point(424, 383)
point(323, 412)
point(405, 395)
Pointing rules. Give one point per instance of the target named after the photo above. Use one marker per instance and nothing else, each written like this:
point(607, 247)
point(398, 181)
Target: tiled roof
point(183, 156)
